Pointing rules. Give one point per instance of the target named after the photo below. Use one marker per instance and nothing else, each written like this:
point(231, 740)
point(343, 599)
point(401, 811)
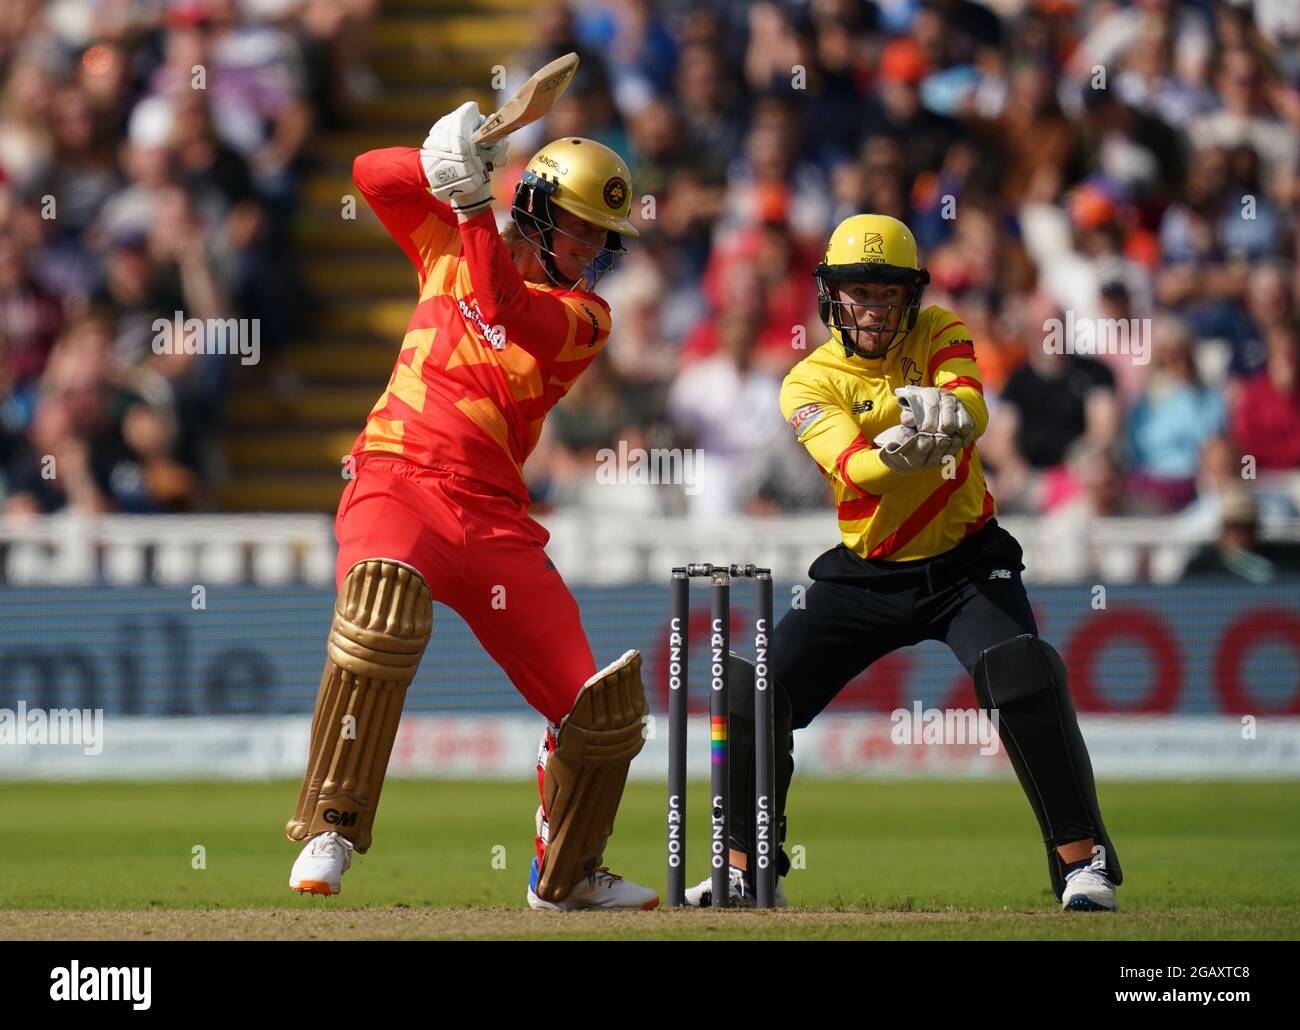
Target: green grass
point(912, 859)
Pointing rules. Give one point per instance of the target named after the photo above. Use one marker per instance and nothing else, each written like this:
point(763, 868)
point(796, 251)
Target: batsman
point(437, 509)
point(890, 408)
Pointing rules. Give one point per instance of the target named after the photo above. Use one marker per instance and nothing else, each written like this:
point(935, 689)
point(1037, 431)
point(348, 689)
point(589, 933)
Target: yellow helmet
point(586, 179)
point(872, 249)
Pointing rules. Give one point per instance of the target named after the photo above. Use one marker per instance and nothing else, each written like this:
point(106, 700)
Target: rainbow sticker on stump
point(719, 739)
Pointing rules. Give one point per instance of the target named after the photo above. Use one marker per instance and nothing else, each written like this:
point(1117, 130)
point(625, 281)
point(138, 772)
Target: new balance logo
point(860, 407)
point(1000, 574)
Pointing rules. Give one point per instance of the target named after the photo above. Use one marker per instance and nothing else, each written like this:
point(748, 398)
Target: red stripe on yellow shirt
point(962, 349)
point(857, 445)
point(924, 512)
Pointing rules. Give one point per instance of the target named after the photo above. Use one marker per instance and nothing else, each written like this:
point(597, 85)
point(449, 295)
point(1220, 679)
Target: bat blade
point(533, 99)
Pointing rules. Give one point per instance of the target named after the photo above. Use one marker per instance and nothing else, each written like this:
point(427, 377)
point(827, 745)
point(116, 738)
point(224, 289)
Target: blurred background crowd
point(1055, 159)
point(151, 157)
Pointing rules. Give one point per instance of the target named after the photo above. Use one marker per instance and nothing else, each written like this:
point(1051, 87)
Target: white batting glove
point(493, 155)
point(453, 165)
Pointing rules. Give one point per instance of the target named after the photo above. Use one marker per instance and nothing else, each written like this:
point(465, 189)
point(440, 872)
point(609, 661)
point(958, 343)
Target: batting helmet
point(586, 179)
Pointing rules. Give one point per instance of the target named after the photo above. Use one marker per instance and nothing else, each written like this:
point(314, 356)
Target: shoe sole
point(537, 904)
point(312, 887)
point(1083, 903)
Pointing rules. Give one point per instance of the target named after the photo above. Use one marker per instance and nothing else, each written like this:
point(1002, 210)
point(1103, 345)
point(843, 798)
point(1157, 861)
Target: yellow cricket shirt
point(836, 406)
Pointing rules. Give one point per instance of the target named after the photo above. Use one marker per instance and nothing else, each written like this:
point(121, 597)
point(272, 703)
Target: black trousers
point(857, 611)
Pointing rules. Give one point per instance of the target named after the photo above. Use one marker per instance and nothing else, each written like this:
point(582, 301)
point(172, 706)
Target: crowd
point(1055, 160)
point(1059, 162)
point(151, 153)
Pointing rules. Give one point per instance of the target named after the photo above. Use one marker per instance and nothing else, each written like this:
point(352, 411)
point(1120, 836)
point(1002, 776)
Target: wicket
point(764, 871)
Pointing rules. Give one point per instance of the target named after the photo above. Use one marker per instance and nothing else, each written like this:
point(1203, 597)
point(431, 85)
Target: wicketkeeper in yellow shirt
point(890, 408)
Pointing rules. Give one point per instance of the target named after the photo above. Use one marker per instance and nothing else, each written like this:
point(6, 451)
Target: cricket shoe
point(601, 889)
point(322, 864)
point(1088, 889)
point(741, 894)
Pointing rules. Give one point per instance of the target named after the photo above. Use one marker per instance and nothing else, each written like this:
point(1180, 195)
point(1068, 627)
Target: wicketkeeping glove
point(928, 409)
point(457, 168)
point(903, 449)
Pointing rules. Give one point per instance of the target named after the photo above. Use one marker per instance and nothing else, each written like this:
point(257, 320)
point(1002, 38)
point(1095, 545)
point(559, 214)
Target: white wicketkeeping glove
point(903, 449)
point(457, 168)
point(928, 409)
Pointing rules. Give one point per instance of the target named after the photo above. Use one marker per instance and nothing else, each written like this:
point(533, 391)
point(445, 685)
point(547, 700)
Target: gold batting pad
point(586, 772)
point(382, 621)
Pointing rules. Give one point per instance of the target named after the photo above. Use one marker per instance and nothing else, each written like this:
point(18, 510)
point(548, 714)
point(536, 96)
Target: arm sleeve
point(834, 440)
point(392, 181)
point(554, 328)
point(952, 367)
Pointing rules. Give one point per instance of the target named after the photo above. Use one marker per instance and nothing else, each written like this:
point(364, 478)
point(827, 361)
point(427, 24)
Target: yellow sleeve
point(834, 439)
point(952, 367)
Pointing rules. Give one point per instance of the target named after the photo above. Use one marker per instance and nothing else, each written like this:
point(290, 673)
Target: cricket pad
point(382, 621)
point(586, 773)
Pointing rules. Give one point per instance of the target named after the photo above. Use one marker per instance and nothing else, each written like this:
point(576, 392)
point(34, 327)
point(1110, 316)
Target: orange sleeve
point(551, 327)
point(392, 181)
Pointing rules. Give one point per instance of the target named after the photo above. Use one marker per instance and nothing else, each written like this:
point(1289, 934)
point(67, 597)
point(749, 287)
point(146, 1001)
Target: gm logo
point(336, 818)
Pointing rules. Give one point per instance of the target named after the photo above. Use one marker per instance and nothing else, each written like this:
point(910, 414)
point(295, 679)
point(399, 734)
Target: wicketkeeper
point(438, 511)
point(890, 409)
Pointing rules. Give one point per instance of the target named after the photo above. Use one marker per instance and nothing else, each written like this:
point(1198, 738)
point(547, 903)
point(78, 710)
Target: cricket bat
point(532, 100)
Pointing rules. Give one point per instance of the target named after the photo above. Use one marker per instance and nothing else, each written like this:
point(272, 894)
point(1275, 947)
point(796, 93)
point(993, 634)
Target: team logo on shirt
point(495, 335)
point(615, 193)
point(804, 417)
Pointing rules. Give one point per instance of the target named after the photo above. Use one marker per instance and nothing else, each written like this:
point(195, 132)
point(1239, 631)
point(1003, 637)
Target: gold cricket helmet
point(586, 179)
point(870, 249)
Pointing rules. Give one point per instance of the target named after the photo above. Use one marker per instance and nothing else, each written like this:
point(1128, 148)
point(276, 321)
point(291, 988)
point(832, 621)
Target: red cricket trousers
point(483, 557)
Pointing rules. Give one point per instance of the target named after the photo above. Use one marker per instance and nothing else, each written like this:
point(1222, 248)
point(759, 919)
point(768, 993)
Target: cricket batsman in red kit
point(438, 511)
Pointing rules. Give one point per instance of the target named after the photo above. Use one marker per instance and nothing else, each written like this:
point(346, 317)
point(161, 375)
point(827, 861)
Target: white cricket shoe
point(741, 893)
point(1088, 889)
point(322, 864)
point(602, 889)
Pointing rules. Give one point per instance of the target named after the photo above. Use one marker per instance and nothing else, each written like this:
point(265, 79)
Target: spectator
point(1246, 116)
point(30, 319)
point(1069, 546)
point(728, 408)
point(1266, 415)
point(1049, 402)
point(1174, 417)
point(1238, 552)
point(1219, 478)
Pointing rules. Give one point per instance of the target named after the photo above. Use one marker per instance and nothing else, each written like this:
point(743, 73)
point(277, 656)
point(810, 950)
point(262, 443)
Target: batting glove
point(453, 165)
